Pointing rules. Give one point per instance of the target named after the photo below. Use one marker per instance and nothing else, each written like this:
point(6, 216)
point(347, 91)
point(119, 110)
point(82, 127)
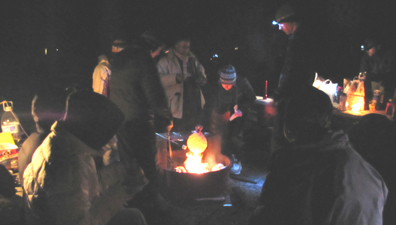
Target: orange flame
point(197, 144)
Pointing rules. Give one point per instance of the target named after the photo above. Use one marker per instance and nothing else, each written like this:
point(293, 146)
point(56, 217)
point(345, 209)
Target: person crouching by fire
point(225, 112)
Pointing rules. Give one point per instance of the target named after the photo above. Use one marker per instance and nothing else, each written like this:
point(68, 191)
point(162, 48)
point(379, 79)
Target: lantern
point(197, 143)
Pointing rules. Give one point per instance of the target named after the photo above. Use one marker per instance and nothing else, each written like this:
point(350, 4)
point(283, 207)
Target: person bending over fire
point(226, 110)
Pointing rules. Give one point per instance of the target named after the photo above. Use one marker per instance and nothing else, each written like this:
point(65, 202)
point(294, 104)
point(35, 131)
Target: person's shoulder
point(242, 81)
point(356, 167)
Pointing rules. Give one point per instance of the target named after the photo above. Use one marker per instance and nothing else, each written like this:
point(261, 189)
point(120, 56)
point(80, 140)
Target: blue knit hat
point(227, 74)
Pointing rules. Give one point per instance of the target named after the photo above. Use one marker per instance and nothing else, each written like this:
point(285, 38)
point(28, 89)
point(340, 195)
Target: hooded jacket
point(62, 184)
point(323, 183)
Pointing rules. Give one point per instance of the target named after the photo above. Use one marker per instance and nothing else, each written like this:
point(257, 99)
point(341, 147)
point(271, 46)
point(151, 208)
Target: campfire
point(201, 172)
point(197, 144)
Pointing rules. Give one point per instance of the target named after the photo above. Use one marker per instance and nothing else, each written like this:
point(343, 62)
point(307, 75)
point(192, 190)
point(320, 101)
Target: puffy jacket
point(62, 184)
point(321, 183)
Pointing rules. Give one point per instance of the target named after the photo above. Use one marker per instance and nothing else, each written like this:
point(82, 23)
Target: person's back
point(47, 107)
point(62, 182)
point(138, 92)
point(373, 138)
point(135, 84)
point(318, 178)
point(101, 76)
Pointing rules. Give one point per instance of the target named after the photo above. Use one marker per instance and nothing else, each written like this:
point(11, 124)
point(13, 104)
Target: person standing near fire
point(101, 76)
point(101, 84)
point(136, 88)
point(182, 77)
point(298, 65)
point(226, 110)
point(378, 65)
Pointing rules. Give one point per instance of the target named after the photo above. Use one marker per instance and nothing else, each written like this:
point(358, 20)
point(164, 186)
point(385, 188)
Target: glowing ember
point(197, 144)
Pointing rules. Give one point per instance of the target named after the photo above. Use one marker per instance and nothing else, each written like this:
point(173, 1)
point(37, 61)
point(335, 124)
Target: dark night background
point(75, 32)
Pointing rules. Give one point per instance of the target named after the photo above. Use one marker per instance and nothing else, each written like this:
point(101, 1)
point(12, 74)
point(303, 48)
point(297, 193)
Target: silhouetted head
point(308, 115)
point(48, 106)
point(92, 117)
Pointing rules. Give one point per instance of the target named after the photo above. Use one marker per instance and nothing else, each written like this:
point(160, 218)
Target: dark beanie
point(308, 114)
point(92, 117)
point(227, 75)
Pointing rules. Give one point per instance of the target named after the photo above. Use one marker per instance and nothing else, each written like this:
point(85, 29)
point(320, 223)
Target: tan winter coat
point(62, 185)
point(168, 67)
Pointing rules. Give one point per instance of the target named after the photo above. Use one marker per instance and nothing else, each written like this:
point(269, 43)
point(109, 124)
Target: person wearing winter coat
point(48, 106)
point(62, 184)
point(182, 77)
point(101, 77)
point(378, 67)
point(226, 110)
point(138, 92)
point(298, 68)
point(318, 178)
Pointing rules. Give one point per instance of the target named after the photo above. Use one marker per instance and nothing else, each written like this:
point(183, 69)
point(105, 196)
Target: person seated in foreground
point(318, 178)
point(48, 106)
point(62, 184)
point(373, 138)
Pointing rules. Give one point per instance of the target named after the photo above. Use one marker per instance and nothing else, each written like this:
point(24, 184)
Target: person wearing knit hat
point(227, 75)
point(225, 112)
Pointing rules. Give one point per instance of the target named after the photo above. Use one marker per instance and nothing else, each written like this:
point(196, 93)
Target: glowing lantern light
point(197, 143)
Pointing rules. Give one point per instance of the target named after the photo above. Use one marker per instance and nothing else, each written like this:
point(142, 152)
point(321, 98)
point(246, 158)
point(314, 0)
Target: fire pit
point(185, 183)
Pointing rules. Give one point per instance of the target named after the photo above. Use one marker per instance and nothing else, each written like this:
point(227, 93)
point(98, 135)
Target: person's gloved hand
point(237, 113)
point(179, 78)
point(198, 128)
point(134, 178)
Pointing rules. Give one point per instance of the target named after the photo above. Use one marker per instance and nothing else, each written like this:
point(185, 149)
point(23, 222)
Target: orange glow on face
point(226, 86)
